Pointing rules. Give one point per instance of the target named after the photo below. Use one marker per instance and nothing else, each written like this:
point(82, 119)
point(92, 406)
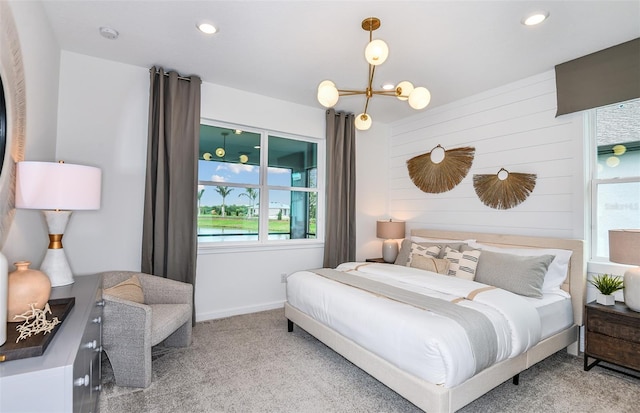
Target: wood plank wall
point(514, 127)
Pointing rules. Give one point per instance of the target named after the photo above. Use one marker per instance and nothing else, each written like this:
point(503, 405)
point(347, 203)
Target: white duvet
point(428, 345)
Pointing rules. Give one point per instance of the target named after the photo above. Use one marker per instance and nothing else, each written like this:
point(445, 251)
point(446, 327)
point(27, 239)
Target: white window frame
point(594, 183)
point(263, 241)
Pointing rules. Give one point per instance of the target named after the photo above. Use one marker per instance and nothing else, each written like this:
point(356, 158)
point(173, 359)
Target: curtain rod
point(167, 74)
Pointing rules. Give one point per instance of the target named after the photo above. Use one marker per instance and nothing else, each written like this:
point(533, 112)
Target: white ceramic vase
point(4, 282)
point(632, 288)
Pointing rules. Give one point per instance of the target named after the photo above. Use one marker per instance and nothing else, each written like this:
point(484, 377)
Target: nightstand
point(612, 334)
point(379, 260)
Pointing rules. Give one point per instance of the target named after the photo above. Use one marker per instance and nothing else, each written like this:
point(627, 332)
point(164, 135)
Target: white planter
point(605, 299)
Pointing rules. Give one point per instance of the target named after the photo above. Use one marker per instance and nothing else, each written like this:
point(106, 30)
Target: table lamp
point(390, 231)
point(57, 188)
point(624, 248)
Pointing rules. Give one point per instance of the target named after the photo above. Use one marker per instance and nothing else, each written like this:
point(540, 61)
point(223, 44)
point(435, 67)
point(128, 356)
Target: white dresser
point(66, 378)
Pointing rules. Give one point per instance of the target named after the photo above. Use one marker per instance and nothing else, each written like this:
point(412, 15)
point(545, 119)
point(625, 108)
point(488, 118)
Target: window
point(616, 173)
point(256, 186)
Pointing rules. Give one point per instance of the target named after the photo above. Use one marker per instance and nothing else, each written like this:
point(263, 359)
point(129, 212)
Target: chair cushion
point(167, 318)
point(129, 289)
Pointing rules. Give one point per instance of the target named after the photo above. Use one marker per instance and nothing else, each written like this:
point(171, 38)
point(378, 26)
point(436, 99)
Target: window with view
point(256, 186)
point(616, 175)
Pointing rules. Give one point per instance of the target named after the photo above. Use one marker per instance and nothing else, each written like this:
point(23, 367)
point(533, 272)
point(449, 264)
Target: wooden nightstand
point(612, 334)
point(379, 260)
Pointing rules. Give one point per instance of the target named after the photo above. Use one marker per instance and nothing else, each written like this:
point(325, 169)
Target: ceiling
point(283, 49)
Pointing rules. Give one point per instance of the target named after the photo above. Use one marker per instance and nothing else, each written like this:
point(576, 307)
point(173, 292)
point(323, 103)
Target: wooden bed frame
point(435, 398)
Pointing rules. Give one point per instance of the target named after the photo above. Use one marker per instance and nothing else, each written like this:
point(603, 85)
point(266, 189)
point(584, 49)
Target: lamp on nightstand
point(624, 248)
point(390, 231)
point(57, 188)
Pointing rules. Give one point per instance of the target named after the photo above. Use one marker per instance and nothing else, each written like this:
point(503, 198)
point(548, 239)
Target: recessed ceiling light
point(388, 86)
point(535, 18)
point(207, 28)
point(109, 33)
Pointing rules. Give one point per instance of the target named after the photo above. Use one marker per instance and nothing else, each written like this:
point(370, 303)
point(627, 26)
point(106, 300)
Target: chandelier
point(376, 53)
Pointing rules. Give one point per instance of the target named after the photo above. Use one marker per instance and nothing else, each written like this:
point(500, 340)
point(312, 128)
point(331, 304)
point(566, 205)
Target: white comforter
point(423, 343)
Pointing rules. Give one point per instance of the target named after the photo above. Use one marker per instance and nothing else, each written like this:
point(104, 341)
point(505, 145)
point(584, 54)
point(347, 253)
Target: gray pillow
point(405, 249)
point(519, 274)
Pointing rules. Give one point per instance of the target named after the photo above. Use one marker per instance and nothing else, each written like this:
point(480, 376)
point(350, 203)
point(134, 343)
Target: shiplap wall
point(514, 127)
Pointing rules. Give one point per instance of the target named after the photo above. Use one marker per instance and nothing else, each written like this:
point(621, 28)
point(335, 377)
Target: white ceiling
point(283, 49)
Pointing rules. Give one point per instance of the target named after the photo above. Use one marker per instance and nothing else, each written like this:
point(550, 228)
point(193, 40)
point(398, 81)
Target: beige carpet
point(250, 363)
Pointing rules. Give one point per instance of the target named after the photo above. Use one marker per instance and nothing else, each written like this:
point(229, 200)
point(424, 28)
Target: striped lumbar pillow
point(463, 264)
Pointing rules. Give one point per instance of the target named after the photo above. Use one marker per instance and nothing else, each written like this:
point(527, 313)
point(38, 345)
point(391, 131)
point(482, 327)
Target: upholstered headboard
point(575, 283)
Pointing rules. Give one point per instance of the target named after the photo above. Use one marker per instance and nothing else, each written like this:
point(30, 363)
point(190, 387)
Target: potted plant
point(607, 285)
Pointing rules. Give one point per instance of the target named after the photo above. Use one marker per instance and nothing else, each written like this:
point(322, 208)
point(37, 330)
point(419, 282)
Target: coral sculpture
point(35, 321)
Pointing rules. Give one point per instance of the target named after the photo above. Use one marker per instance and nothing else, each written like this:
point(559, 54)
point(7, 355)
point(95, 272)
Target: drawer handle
point(97, 320)
point(82, 381)
point(100, 303)
point(99, 349)
point(90, 344)
point(98, 388)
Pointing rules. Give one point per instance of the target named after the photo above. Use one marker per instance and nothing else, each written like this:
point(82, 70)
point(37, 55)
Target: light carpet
point(250, 363)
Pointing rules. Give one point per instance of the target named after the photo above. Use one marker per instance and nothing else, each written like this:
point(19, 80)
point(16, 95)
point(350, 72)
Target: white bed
point(371, 339)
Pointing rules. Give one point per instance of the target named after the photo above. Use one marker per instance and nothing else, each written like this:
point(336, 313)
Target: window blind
point(601, 78)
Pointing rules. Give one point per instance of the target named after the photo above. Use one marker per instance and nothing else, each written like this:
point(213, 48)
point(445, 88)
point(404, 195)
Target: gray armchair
point(130, 329)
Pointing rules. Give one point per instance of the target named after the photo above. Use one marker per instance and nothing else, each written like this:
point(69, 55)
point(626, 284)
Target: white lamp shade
point(362, 121)
point(419, 98)
point(404, 89)
point(376, 52)
point(328, 94)
point(53, 185)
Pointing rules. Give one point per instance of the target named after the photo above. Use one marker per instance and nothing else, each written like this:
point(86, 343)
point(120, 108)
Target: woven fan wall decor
point(504, 190)
point(440, 170)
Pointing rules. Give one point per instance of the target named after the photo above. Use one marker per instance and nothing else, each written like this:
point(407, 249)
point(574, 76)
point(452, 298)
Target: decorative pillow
point(129, 289)
point(557, 271)
point(425, 251)
point(405, 249)
point(441, 266)
point(462, 264)
point(519, 274)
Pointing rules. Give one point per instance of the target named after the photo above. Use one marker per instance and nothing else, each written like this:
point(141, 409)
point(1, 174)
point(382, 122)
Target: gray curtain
point(609, 76)
point(169, 239)
point(340, 228)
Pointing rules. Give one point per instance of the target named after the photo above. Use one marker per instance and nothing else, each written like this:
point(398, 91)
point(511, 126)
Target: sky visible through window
point(242, 174)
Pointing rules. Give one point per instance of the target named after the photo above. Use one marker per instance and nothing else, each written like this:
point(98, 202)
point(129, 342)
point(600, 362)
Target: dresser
point(66, 378)
point(612, 334)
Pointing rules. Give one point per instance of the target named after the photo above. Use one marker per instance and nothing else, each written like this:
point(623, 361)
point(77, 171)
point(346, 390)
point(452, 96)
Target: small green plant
point(607, 284)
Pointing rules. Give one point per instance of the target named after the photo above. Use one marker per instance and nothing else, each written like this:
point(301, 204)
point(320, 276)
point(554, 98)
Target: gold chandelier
point(376, 53)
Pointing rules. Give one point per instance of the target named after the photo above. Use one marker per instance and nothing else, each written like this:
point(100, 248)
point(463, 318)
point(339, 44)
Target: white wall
point(514, 127)
point(27, 238)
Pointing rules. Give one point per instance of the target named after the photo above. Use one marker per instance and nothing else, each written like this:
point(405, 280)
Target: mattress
point(420, 342)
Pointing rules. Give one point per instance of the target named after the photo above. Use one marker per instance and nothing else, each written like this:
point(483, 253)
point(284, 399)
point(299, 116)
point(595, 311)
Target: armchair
point(130, 329)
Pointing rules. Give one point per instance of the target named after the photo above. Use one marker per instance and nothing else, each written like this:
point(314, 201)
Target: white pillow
point(557, 271)
point(415, 238)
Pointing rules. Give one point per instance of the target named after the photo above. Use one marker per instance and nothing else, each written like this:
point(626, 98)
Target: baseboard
point(229, 312)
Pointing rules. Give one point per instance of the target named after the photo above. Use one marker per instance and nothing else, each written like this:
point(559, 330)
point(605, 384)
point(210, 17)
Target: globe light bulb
point(419, 98)
point(376, 52)
point(404, 89)
point(363, 121)
point(327, 94)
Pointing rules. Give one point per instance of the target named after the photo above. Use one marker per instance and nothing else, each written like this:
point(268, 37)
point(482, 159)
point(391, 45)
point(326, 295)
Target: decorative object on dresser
point(3, 298)
point(607, 285)
point(612, 335)
point(57, 188)
point(27, 287)
point(131, 328)
point(66, 376)
point(390, 231)
point(440, 170)
point(375, 53)
point(505, 189)
point(624, 248)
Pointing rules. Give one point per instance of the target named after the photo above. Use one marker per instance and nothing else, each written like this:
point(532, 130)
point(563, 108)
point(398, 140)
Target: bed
point(394, 350)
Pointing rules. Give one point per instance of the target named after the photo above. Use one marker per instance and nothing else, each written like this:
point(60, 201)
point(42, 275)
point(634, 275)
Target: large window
point(256, 186)
point(616, 173)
